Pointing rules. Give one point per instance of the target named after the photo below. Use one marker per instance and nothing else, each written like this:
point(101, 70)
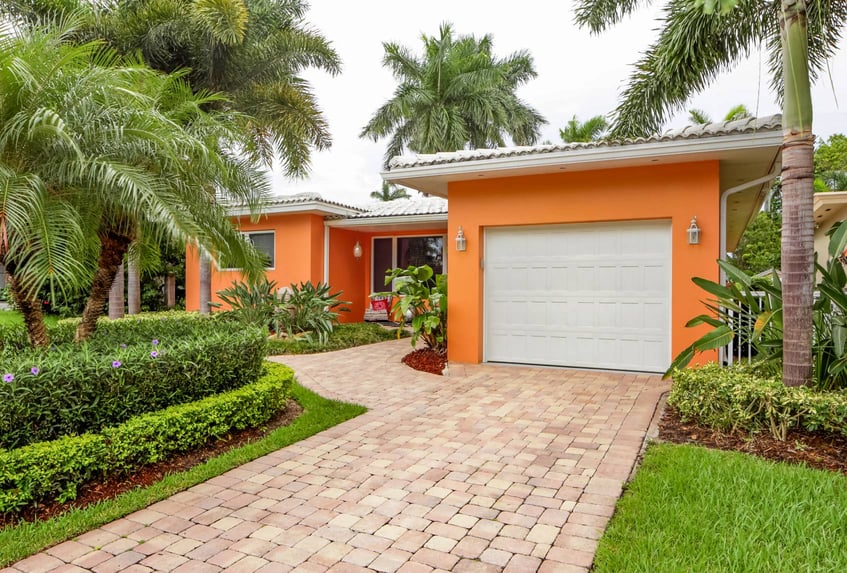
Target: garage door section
point(582, 295)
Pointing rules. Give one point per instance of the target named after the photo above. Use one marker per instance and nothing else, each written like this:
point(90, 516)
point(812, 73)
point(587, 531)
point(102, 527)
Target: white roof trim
point(635, 152)
point(388, 220)
point(298, 207)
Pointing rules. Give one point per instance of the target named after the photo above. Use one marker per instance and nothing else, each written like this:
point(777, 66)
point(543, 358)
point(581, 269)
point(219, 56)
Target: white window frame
point(383, 287)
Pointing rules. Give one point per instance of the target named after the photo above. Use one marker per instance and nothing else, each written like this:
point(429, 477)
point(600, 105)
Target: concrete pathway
point(490, 468)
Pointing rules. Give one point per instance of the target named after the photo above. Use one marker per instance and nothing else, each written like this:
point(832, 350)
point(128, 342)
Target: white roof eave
point(388, 220)
point(318, 207)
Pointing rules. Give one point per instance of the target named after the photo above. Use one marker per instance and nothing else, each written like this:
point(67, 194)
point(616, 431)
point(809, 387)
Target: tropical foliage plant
point(251, 302)
point(700, 39)
point(749, 311)
point(308, 310)
point(457, 95)
point(421, 298)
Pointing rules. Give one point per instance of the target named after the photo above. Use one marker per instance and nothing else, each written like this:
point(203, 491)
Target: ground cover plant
point(22, 539)
point(133, 365)
point(345, 335)
point(694, 509)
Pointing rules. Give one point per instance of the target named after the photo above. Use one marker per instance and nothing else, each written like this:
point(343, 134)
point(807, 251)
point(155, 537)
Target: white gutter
point(388, 220)
point(326, 253)
point(485, 160)
point(725, 196)
point(301, 207)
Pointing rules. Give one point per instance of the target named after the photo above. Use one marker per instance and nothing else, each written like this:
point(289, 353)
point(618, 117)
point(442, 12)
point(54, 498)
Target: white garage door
point(584, 295)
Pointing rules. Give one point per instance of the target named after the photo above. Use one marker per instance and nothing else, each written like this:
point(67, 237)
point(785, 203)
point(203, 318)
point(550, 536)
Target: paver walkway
point(490, 468)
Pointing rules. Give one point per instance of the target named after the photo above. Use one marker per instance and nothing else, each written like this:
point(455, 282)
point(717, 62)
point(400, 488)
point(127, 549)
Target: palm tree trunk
point(31, 310)
point(112, 250)
point(798, 253)
point(205, 283)
point(117, 295)
point(133, 287)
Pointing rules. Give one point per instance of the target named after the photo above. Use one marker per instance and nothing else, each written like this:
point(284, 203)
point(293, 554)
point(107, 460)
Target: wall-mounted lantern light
point(693, 232)
point(461, 241)
point(357, 250)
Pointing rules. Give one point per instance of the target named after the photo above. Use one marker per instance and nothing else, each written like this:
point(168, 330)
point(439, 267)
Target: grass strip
point(25, 539)
point(695, 509)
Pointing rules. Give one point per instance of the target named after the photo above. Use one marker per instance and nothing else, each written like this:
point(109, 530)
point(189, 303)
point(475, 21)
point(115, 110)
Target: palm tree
point(389, 192)
point(592, 129)
point(700, 117)
point(693, 47)
point(95, 151)
point(457, 95)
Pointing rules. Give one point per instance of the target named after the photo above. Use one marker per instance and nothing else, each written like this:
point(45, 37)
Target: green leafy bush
point(252, 303)
point(421, 295)
point(54, 469)
point(131, 366)
point(739, 398)
point(311, 310)
point(343, 336)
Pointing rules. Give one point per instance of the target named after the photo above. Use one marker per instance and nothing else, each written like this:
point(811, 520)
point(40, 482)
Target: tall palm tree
point(700, 117)
point(94, 151)
point(457, 95)
point(693, 47)
point(389, 192)
point(592, 129)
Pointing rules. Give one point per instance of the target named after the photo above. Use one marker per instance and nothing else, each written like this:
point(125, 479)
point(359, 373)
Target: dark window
point(383, 261)
point(419, 251)
point(264, 243)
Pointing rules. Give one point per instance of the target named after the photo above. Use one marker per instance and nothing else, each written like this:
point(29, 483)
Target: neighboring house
point(830, 207)
point(576, 254)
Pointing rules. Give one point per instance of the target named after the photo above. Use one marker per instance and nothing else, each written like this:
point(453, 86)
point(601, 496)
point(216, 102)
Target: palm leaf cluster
point(457, 95)
point(592, 129)
point(694, 47)
point(96, 152)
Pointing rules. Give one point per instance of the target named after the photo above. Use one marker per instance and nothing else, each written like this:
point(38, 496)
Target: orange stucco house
point(575, 254)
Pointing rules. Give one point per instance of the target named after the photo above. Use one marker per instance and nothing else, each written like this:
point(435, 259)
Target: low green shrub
point(54, 469)
point(739, 398)
point(343, 336)
point(131, 366)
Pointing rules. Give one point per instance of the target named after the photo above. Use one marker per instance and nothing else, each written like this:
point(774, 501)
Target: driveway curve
point(490, 468)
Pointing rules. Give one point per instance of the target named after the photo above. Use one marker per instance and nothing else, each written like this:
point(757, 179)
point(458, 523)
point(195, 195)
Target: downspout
point(326, 253)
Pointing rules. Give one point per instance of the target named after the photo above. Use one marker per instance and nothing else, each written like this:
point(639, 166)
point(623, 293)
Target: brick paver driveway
point(489, 468)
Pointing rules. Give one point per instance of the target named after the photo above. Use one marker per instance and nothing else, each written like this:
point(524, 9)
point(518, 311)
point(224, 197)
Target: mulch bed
point(426, 360)
point(112, 486)
point(817, 450)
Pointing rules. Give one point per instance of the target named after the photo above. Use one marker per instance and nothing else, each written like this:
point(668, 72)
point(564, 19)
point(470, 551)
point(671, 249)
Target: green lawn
point(28, 538)
point(699, 510)
point(344, 336)
point(10, 317)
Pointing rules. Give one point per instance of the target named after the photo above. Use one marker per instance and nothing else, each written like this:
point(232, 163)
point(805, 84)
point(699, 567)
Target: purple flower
point(8, 377)
point(116, 363)
point(155, 342)
point(123, 345)
point(154, 354)
point(35, 370)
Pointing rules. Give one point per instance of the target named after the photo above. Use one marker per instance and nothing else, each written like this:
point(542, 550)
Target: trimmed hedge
point(737, 398)
point(129, 367)
point(53, 470)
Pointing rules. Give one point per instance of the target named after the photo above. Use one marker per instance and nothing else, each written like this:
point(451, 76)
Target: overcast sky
point(578, 74)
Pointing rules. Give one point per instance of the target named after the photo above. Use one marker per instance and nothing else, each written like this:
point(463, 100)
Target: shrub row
point(53, 470)
point(133, 366)
point(737, 398)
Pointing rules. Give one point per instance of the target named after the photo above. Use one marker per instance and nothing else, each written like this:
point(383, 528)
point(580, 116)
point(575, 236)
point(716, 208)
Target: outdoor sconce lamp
point(357, 251)
point(461, 241)
point(693, 232)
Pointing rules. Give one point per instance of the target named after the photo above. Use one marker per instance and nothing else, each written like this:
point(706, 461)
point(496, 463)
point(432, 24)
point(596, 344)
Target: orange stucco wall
point(674, 192)
point(298, 242)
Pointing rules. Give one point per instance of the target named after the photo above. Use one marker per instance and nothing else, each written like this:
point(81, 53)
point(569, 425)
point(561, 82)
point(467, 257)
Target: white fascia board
point(389, 220)
point(305, 207)
point(633, 151)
